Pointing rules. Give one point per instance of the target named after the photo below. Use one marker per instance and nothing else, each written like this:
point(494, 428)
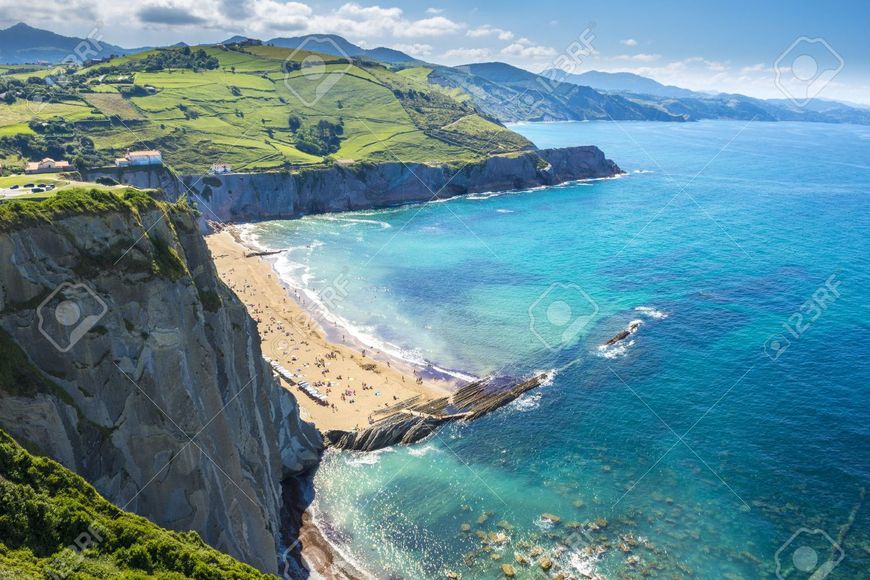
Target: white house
point(221, 168)
point(138, 158)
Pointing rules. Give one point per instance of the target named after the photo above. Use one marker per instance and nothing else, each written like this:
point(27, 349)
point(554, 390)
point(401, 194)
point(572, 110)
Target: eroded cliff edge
point(166, 404)
point(244, 197)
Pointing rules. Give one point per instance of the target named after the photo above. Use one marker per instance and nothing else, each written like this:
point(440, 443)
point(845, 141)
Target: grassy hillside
point(52, 522)
point(256, 108)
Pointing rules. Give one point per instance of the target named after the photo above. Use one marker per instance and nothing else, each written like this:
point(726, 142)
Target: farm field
point(257, 108)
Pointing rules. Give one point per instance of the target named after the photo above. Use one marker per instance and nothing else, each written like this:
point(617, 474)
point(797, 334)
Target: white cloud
point(414, 49)
point(525, 48)
point(756, 68)
point(629, 42)
point(467, 54)
point(434, 10)
point(487, 30)
point(168, 21)
point(435, 26)
point(641, 57)
point(281, 15)
point(359, 21)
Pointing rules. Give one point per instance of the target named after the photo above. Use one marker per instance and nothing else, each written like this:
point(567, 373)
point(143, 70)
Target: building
point(47, 165)
point(221, 168)
point(139, 158)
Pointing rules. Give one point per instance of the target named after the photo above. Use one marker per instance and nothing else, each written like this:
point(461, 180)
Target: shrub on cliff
point(52, 522)
point(73, 201)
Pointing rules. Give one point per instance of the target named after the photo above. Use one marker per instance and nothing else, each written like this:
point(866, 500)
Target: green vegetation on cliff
point(164, 258)
point(53, 522)
point(74, 201)
point(254, 107)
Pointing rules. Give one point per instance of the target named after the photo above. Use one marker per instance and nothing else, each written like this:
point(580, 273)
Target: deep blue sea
point(728, 436)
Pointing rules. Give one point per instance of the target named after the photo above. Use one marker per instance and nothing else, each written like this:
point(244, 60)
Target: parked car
point(14, 187)
point(37, 190)
point(28, 185)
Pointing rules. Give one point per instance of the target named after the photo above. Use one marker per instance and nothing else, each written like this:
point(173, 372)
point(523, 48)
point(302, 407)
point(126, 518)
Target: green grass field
point(59, 183)
point(239, 113)
point(113, 104)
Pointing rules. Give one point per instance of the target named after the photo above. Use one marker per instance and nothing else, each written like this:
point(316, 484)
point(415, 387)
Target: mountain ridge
point(25, 44)
point(336, 45)
point(619, 82)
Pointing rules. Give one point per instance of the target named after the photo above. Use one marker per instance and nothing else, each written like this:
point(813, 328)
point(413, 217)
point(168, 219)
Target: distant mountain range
point(20, 44)
point(619, 82)
point(693, 105)
point(508, 93)
point(505, 92)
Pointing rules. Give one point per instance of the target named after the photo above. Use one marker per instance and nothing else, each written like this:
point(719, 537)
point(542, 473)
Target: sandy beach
point(354, 382)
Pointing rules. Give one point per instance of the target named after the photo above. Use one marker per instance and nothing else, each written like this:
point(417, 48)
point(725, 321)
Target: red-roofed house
point(47, 165)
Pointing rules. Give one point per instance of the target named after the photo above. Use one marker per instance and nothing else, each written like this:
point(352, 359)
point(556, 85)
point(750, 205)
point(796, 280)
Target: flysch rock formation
point(174, 357)
point(413, 421)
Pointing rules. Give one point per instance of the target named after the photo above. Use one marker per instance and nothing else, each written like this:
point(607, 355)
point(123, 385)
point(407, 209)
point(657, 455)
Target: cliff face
point(171, 356)
point(256, 196)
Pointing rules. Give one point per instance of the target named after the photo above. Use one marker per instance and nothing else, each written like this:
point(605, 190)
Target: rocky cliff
point(241, 197)
point(143, 373)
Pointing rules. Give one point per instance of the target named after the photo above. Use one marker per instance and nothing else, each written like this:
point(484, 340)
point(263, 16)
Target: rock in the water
point(551, 518)
point(545, 563)
point(508, 570)
point(623, 334)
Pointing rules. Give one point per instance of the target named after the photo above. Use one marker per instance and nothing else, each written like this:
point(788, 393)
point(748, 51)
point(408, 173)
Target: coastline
point(292, 334)
point(337, 330)
point(355, 380)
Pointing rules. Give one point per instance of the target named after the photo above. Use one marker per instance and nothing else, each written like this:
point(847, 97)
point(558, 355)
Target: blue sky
point(727, 46)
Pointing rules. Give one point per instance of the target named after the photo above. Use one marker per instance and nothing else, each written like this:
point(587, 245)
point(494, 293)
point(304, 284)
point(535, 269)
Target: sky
point(734, 46)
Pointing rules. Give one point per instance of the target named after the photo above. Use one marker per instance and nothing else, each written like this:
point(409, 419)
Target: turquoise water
point(736, 416)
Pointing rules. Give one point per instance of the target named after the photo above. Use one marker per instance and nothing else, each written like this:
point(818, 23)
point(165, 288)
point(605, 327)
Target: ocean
point(727, 436)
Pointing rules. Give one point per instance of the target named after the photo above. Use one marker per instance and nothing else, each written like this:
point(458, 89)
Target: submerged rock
point(508, 570)
point(623, 334)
